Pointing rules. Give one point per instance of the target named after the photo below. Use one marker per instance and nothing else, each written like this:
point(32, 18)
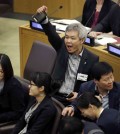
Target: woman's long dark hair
point(6, 67)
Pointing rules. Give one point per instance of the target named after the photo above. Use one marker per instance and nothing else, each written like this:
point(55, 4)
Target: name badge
point(82, 77)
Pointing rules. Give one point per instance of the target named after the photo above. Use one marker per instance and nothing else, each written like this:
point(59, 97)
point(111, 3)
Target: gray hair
point(82, 31)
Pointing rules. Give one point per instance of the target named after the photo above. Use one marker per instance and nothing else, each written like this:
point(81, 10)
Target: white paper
point(105, 40)
point(59, 27)
point(65, 21)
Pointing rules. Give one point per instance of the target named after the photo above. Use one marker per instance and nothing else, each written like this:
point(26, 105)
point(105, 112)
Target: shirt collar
point(80, 54)
point(97, 92)
point(102, 109)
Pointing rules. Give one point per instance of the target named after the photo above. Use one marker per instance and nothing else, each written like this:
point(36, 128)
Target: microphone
point(39, 17)
point(55, 10)
point(90, 17)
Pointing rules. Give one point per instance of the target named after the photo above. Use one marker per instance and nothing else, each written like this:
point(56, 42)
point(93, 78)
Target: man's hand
point(42, 9)
point(68, 111)
point(73, 97)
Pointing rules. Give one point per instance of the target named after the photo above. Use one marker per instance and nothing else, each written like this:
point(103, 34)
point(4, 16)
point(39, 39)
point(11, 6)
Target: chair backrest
point(25, 85)
point(59, 106)
point(41, 58)
point(7, 127)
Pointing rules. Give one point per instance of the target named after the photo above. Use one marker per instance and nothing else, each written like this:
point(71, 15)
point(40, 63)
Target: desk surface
point(28, 35)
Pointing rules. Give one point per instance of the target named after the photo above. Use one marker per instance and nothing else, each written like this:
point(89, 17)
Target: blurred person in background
point(94, 11)
point(13, 96)
point(111, 23)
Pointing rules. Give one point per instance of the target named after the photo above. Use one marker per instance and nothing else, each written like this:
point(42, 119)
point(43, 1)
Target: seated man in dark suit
point(102, 85)
point(74, 62)
point(110, 23)
point(92, 128)
point(107, 119)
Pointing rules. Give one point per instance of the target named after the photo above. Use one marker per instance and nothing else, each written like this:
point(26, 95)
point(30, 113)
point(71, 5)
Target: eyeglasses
point(32, 84)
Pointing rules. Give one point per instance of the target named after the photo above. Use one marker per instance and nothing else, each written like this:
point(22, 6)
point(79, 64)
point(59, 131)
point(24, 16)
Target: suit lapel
point(111, 99)
point(83, 62)
point(42, 104)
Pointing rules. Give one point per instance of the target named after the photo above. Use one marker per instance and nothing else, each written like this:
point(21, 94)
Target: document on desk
point(63, 23)
point(105, 40)
point(59, 27)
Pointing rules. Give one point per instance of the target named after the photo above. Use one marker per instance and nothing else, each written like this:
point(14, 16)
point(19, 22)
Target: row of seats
point(41, 59)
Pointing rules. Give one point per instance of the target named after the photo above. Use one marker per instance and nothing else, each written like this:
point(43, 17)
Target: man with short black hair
point(102, 85)
point(91, 107)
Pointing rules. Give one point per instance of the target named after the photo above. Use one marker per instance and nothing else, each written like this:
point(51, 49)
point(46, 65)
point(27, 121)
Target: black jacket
point(12, 100)
point(113, 96)
point(42, 119)
point(88, 59)
point(92, 128)
point(89, 11)
point(111, 22)
point(109, 121)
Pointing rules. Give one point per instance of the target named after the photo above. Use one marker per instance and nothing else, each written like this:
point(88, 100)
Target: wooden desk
point(28, 35)
point(71, 8)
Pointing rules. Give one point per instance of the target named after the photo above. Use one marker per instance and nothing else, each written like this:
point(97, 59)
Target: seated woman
point(110, 23)
point(12, 94)
point(94, 11)
point(90, 106)
point(40, 114)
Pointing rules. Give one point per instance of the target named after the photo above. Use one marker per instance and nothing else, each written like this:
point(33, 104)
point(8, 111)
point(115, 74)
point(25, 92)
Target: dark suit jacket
point(114, 96)
point(111, 22)
point(92, 128)
point(12, 100)
point(42, 119)
point(109, 121)
point(89, 11)
point(87, 61)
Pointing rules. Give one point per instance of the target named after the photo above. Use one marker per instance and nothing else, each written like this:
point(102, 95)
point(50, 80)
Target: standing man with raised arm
point(74, 62)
